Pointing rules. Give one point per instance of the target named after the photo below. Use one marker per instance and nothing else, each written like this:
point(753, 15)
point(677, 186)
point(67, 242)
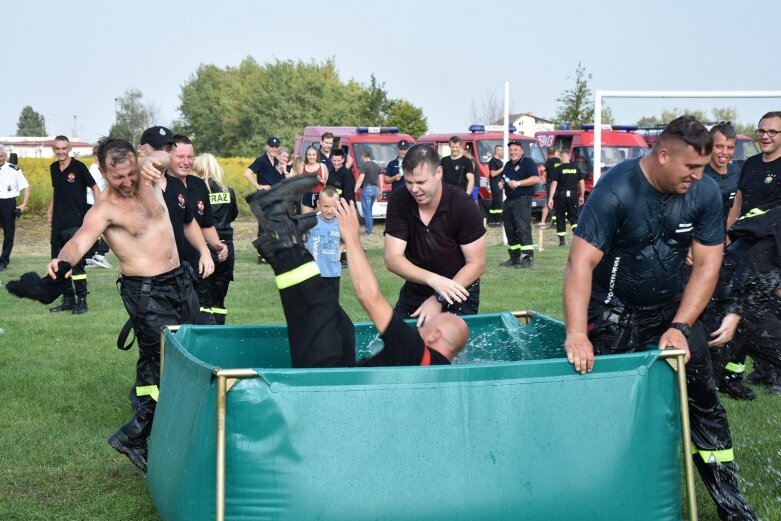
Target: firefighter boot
point(68, 302)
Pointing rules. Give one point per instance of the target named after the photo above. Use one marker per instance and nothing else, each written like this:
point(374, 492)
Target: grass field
point(64, 384)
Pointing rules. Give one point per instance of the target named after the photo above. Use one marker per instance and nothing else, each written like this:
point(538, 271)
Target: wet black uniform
point(225, 210)
point(760, 184)
point(454, 171)
point(645, 237)
point(495, 213)
point(728, 185)
point(70, 206)
point(565, 200)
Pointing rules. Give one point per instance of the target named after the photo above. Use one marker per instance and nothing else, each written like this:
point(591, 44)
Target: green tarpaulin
point(511, 432)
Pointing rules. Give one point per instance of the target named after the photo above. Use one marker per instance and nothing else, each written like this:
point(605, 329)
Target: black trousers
point(517, 216)
point(153, 303)
point(319, 331)
point(614, 330)
point(213, 289)
point(79, 277)
point(8, 222)
point(567, 209)
point(495, 212)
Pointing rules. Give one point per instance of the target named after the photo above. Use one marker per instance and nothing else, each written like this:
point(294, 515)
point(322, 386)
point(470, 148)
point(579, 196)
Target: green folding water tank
point(509, 432)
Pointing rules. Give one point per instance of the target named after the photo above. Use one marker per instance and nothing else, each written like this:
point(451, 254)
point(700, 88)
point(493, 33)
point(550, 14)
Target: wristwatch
point(682, 327)
point(439, 298)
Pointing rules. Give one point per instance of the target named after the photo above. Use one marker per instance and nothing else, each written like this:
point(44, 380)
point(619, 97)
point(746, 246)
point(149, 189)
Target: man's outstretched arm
point(364, 281)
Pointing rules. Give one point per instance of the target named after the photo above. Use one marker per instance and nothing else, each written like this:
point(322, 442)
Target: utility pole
point(75, 126)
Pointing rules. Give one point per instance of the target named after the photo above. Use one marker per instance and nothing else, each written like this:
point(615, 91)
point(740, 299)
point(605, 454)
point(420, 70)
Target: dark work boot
point(761, 375)
point(131, 438)
point(515, 258)
point(526, 262)
point(68, 303)
point(562, 241)
point(279, 225)
point(81, 306)
point(732, 385)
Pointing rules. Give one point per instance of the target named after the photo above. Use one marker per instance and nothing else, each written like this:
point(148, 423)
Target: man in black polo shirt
point(495, 167)
point(622, 285)
point(434, 240)
point(70, 180)
point(262, 174)
point(721, 168)
point(520, 177)
point(393, 172)
point(457, 169)
point(320, 332)
point(566, 194)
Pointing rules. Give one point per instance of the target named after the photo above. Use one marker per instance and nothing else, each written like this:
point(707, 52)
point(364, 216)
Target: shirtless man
point(156, 290)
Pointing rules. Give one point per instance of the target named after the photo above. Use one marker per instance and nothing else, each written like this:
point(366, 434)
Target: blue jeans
point(368, 195)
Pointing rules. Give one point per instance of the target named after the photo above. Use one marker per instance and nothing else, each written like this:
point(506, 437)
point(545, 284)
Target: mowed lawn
point(64, 384)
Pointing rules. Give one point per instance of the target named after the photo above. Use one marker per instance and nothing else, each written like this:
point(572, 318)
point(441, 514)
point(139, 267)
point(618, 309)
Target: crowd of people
point(644, 269)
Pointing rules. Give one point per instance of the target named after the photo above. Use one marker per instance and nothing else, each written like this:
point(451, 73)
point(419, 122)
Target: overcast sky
point(74, 58)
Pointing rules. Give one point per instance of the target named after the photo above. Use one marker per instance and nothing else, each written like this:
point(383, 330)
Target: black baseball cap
point(157, 137)
point(514, 142)
point(403, 144)
point(272, 141)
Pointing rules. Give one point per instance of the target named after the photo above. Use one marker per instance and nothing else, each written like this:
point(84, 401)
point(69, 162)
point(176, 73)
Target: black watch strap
point(682, 327)
point(440, 299)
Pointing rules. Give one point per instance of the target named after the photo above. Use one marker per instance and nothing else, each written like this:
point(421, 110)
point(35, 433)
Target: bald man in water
point(319, 331)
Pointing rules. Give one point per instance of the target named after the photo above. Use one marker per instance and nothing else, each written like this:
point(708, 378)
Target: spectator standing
point(326, 149)
point(312, 165)
point(368, 183)
point(225, 210)
point(457, 169)
point(99, 251)
point(323, 240)
point(520, 177)
point(393, 172)
point(567, 192)
point(341, 178)
point(495, 167)
point(67, 208)
point(550, 164)
point(12, 184)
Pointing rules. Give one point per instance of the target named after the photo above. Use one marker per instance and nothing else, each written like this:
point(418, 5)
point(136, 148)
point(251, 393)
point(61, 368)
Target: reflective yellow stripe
point(206, 310)
point(514, 246)
point(494, 211)
point(220, 311)
point(148, 390)
point(297, 275)
point(754, 212)
point(574, 226)
point(527, 247)
point(339, 191)
point(79, 277)
point(735, 368)
point(714, 456)
point(561, 234)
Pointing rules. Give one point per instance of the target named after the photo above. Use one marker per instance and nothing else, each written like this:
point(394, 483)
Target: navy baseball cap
point(403, 144)
point(514, 142)
point(272, 141)
point(157, 137)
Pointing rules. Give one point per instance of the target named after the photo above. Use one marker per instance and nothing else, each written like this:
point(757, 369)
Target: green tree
point(407, 117)
point(31, 123)
point(716, 114)
point(132, 117)
point(577, 103)
point(232, 111)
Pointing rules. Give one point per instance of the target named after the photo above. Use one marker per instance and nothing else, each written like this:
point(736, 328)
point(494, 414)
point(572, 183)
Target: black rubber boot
point(279, 225)
point(515, 258)
point(732, 385)
point(562, 241)
point(131, 438)
point(81, 306)
point(526, 262)
point(721, 481)
point(68, 303)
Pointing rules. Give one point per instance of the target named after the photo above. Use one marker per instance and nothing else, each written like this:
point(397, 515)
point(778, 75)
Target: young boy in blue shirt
point(324, 241)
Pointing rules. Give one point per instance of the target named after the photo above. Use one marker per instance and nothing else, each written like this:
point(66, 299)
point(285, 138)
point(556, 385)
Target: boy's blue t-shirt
point(322, 241)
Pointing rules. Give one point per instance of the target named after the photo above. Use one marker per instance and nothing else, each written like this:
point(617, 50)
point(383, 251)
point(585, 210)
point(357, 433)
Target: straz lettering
point(220, 198)
point(612, 285)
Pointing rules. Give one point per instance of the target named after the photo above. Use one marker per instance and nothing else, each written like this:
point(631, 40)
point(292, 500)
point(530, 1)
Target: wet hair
point(771, 114)
point(453, 140)
point(327, 135)
point(337, 152)
point(686, 130)
point(62, 138)
point(724, 128)
point(420, 155)
point(207, 168)
point(112, 151)
point(181, 139)
point(330, 191)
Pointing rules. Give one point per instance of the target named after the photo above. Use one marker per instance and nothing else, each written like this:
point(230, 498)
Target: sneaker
point(90, 263)
point(100, 261)
point(734, 388)
point(542, 225)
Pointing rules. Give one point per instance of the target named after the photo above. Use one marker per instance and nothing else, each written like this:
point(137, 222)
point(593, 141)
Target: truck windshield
point(611, 156)
point(485, 150)
point(382, 153)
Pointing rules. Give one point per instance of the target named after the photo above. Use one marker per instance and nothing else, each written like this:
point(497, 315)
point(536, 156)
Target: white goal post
point(600, 94)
